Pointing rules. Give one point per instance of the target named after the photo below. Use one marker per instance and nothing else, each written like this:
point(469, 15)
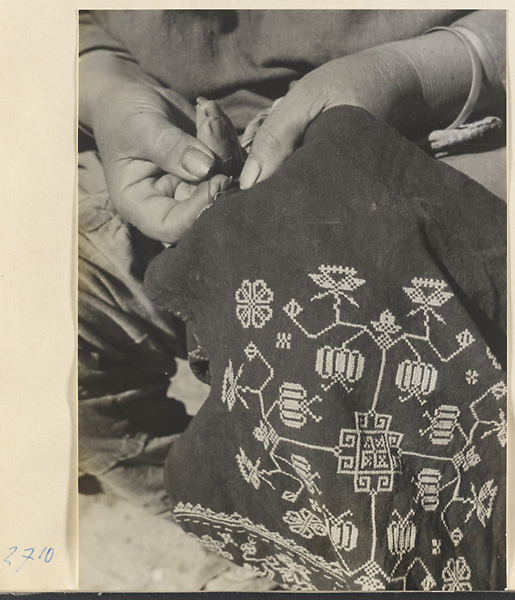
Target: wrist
point(443, 69)
point(397, 92)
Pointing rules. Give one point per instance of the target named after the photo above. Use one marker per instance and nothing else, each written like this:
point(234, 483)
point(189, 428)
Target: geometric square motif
point(371, 452)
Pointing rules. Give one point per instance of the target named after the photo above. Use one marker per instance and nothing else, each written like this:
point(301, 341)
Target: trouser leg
point(126, 352)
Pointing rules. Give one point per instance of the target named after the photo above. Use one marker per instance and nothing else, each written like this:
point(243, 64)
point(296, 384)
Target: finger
point(165, 219)
point(184, 190)
point(169, 185)
point(186, 212)
point(215, 129)
point(175, 151)
point(278, 137)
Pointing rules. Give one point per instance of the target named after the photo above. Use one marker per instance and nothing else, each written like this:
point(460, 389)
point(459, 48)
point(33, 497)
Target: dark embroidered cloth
point(352, 310)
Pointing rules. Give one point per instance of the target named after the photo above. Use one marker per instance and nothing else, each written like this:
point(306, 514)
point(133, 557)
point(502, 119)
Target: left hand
point(363, 79)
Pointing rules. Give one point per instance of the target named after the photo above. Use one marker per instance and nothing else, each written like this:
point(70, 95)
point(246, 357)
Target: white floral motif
point(499, 390)
point(249, 471)
point(466, 459)
point(337, 281)
point(502, 429)
point(387, 327)
point(472, 377)
point(428, 583)
point(386, 323)
point(253, 303)
point(456, 536)
point(429, 293)
point(401, 534)
point(293, 308)
point(305, 523)
point(266, 434)
point(229, 387)
point(484, 501)
point(465, 338)
point(456, 576)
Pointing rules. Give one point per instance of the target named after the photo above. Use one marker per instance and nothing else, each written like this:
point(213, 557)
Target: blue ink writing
point(47, 554)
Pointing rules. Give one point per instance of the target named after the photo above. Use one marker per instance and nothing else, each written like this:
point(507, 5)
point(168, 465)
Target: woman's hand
point(146, 138)
point(418, 83)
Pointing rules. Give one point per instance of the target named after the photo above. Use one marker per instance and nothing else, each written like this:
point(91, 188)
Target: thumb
point(175, 151)
point(277, 138)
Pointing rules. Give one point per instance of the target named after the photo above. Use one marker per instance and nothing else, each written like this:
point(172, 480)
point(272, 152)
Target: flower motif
point(229, 387)
point(386, 323)
point(337, 280)
point(253, 303)
point(305, 523)
point(468, 459)
point(502, 429)
point(456, 576)
point(401, 534)
point(428, 583)
point(429, 294)
point(456, 536)
point(484, 501)
point(472, 377)
point(249, 471)
point(265, 434)
point(251, 351)
point(293, 309)
point(499, 390)
point(465, 338)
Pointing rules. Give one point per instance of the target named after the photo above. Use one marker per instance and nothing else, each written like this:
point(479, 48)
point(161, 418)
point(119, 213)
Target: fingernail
point(196, 162)
point(217, 126)
point(250, 173)
point(201, 100)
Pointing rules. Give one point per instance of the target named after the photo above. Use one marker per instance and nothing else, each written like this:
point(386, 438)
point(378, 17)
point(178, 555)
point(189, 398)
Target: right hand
point(145, 134)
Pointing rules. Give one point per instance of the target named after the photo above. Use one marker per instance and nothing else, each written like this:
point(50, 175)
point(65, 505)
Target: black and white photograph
point(291, 301)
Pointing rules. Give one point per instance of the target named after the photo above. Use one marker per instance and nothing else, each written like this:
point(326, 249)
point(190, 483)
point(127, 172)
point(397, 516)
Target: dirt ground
point(124, 548)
